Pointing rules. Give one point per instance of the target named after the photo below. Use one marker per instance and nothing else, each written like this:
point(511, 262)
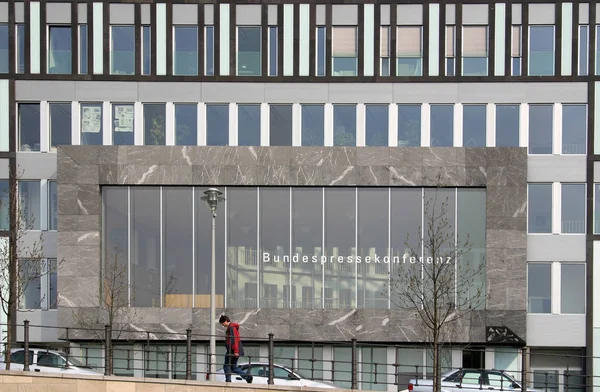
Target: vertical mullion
point(225, 304)
point(377, 41)
point(153, 36)
point(508, 39)
point(138, 37)
point(43, 38)
point(360, 33)
point(442, 40)
point(129, 285)
point(328, 35)
point(11, 52)
point(201, 68)
point(291, 253)
point(323, 253)
point(393, 35)
point(491, 39)
point(356, 248)
point(557, 39)
point(296, 40)
point(170, 27)
point(389, 248)
point(90, 36)
point(216, 39)
point(106, 39)
point(74, 38)
point(425, 37)
point(312, 39)
point(258, 233)
point(524, 39)
point(27, 38)
point(264, 42)
point(161, 232)
point(233, 61)
point(194, 244)
point(458, 46)
point(592, 58)
point(280, 26)
point(576, 39)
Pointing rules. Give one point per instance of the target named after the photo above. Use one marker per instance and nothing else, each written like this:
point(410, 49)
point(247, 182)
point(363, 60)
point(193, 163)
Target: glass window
point(572, 288)
point(598, 50)
point(475, 51)
point(145, 246)
point(249, 51)
point(154, 123)
point(474, 125)
point(573, 208)
point(373, 279)
point(4, 201)
point(122, 59)
point(3, 48)
point(507, 125)
point(574, 129)
point(59, 50)
point(280, 124)
point(541, 50)
point(29, 200)
point(344, 125)
point(185, 58)
point(306, 367)
point(209, 56)
point(20, 48)
point(29, 126)
point(596, 208)
point(409, 125)
point(272, 50)
point(30, 272)
point(583, 50)
point(157, 362)
point(60, 125)
point(242, 257)
point(344, 49)
point(307, 244)
point(178, 248)
point(540, 129)
point(374, 368)
point(408, 359)
point(377, 125)
point(539, 208)
point(50, 359)
point(409, 51)
point(83, 49)
point(122, 124)
point(19, 357)
point(516, 54)
point(442, 125)
point(320, 51)
point(384, 38)
point(123, 361)
point(248, 125)
point(52, 206)
point(91, 124)
point(275, 247)
point(450, 50)
point(313, 125)
point(539, 293)
point(186, 124)
point(217, 125)
point(146, 50)
point(342, 366)
point(546, 380)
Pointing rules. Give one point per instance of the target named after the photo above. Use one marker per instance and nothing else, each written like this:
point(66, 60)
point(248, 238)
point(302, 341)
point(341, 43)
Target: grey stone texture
point(82, 170)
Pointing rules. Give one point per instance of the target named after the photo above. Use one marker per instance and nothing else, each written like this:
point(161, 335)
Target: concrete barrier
point(19, 381)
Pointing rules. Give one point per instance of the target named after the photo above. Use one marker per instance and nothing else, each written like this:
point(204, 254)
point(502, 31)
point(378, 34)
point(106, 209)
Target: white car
point(47, 361)
point(281, 376)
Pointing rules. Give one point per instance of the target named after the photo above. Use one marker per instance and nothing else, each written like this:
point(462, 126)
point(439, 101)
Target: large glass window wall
point(277, 247)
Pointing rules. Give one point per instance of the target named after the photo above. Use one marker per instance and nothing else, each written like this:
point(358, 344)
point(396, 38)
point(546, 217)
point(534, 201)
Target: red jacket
point(233, 342)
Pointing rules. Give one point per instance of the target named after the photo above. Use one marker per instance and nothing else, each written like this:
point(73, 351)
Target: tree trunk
point(437, 385)
point(13, 273)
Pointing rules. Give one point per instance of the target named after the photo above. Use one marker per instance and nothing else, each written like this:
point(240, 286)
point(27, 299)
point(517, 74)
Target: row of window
point(474, 50)
point(556, 288)
point(38, 204)
point(549, 128)
point(557, 208)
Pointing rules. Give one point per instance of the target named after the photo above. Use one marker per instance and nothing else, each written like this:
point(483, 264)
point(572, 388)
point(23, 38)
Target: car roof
point(37, 349)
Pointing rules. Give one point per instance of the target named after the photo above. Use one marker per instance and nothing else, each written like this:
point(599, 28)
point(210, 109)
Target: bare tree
point(439, 279)
point(21, 257)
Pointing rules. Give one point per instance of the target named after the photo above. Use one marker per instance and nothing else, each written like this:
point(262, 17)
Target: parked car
point(464, 380)
point(281, 376)
point(47, 361)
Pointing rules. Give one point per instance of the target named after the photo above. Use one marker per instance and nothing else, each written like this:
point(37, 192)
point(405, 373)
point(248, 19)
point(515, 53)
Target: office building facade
point(327, 126)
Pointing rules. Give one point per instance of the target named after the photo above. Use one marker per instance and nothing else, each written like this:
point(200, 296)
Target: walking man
point(234, 346)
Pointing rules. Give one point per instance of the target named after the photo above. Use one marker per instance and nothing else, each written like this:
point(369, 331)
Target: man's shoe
point(249, 379)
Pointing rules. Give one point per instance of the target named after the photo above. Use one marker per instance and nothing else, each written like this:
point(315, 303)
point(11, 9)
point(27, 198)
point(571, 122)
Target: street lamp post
point(212, 197)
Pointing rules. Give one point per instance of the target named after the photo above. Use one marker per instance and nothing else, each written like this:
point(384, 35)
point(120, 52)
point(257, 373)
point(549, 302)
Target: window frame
point(421, 50)
point(111, 49)
point(174, 48)
point(585, 217)
point(529, 50)
point(260, 52)
point(487, 51)
point(333, 56)
point(66, 27)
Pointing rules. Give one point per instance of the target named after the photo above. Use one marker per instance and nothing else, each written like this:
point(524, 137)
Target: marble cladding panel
point(503, 171)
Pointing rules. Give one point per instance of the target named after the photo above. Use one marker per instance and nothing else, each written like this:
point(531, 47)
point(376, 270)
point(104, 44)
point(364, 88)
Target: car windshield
point(303, 375)
point(78, 363)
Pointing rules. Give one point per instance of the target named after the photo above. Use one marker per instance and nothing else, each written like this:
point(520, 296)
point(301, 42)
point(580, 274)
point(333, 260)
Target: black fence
point(350, 364)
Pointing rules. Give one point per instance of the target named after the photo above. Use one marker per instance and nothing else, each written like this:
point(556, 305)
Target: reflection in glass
point(217, 125)
point(280, 124)
point(122, 124)
point(596, 208)
point(541, 50)
point(373, 213)
point(573, 208)
point(344, 51)
point(540, 129)
point(539, 208)
point(178, 246)
point(185, 58)
point(409, 125)
point(249, 51)
point(313, 125)
point(186, 124)
point(377, 125)
point(209, 55)
point(3, 48)
point(52, 283)
point(60, 125)
point(475, 51)
point(342, 366)
point(574, 129)
point(374, 362)
point(474, 125)
point(408, 359)
point(122, 59)
point(583, 50)
point(344, 125)
point(30, 271)
point(91, 124)
point(272, 50)
point(146, 50)
point(409, 51)
point(52, 205)
point(59, 50)
point(242, 253)
point(204, 251)
point(29, 126)
point(154, 124)
point(539, 288)
point(116, 242)
point(310, 369)
point(507, 125)
point(248, 125)
point(320, 51)
point(29, 201)
point(83, 49)
point(572, 288)
point(4, 200)
point(275, 289)
point(442, 125)
point(20, 48)
point(145, 246)
point(340, 245)
point(307, 244)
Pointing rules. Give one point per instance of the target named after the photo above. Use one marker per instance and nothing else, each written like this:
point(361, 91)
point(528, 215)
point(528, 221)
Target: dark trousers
point(231, 365)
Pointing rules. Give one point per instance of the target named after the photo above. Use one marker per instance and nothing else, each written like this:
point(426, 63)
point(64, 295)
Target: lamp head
point(212, 197)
